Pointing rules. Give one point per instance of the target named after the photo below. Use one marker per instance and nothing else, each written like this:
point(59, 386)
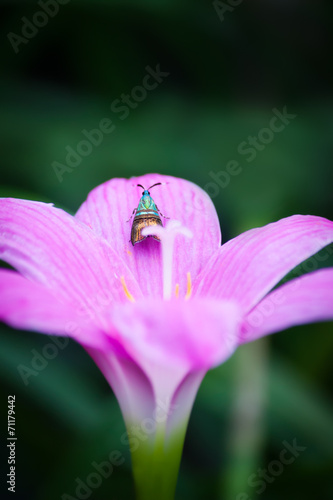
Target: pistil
point(167, 236)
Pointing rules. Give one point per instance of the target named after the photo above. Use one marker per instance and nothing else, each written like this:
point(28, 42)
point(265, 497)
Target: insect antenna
point(157, 184)
point(141, 186)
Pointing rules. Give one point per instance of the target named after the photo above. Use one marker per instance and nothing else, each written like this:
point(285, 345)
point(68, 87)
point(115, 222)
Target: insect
point(147, 214)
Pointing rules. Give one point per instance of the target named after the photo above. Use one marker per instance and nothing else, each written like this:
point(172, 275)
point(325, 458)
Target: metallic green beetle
point(147, 214)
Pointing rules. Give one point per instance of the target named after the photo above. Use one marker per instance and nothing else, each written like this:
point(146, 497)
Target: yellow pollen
point(177, 291)
point(127, 293)
point(189, 287)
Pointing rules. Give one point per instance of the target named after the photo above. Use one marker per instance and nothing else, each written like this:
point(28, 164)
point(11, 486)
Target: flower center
point(167, 237)
point(188, 289)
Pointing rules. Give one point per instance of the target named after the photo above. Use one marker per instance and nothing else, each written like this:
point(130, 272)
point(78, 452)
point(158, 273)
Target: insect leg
point(161, 213)
point(131, 215)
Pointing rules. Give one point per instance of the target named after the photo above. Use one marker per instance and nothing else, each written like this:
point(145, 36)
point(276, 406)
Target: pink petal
point(31, 306)
point(307, 299)
point(186, 335)
point(110, 205)
point(51, 247)
point(145, 402)
point(246, 268)
point(130, 384)
point(169, 346)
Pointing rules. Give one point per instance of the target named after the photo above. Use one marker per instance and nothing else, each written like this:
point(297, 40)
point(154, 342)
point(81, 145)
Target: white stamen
point(167, 236)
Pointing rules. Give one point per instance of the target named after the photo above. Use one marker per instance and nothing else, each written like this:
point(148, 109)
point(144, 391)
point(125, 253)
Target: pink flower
point(157, 316)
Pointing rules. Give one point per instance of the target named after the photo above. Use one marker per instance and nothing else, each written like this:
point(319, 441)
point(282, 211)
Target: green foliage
point(225, 79)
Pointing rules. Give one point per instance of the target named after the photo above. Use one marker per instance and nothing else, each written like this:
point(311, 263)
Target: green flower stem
point(156, 464)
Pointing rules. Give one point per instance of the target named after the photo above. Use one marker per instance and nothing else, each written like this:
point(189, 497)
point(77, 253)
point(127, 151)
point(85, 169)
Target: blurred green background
point(229, 67)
